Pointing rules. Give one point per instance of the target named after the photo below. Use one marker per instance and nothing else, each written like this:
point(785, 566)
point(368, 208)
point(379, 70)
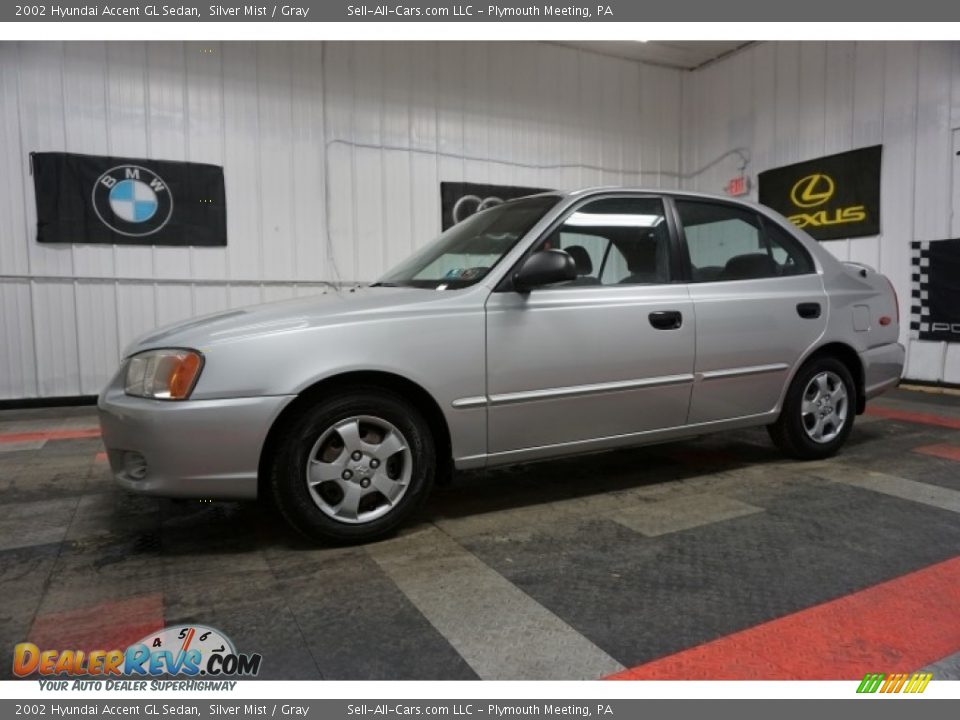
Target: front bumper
point(191, 449)
point(882, 368)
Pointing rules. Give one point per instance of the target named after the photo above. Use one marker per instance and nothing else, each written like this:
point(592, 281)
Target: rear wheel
point(353, 467)
point(818, 412)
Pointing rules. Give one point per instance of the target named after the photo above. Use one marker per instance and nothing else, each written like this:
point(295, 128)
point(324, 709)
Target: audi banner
point(935, 293)
point(837, 196)
point(460, 200)
point(127, 201)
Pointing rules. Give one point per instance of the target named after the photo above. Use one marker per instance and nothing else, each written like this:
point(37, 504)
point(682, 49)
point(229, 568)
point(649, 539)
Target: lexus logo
point(812, 190)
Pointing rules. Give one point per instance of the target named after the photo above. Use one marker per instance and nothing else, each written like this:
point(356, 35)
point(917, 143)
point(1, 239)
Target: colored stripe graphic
point(897, 682)
point(909, 621)
point(914, 417)
point(870, 683)
point(50, 435)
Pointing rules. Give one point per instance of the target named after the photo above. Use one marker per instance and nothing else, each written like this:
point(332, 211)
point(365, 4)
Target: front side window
point(731, 243)
point(615, 241)
point(465, 253)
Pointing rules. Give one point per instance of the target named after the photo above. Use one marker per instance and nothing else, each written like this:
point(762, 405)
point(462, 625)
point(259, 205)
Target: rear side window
point(726, 242)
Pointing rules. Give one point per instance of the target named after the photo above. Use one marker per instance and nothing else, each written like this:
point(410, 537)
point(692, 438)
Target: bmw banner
point(128, 201)
point(832, 197)
point(460, 200)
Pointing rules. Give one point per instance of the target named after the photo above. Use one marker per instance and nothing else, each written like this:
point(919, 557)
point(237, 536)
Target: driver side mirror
point(545, 267)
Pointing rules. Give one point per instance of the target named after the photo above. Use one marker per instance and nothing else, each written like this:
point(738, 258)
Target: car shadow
point(582, 476)
point(239, 527)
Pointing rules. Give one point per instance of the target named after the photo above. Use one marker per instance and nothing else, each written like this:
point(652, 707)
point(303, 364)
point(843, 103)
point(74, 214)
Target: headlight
point(163, 374)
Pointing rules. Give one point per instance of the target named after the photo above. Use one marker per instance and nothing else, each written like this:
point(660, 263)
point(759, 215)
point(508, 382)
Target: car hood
point(331, 307)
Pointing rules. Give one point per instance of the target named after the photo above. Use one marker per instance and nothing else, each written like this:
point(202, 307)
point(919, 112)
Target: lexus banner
point(935, 293)
point(460, 200)
point(127, 201)
point(837, 196)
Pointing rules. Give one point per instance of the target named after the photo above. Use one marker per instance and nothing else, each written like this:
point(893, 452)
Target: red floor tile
point(897, 626)
point(914, 417)
point(941, 450)
point(107, 626)
point(49, 435)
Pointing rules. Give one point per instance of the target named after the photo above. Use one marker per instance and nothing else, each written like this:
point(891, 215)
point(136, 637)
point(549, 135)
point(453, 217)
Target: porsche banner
point(127, 201)
point(460, 200)
point(837, 196)
point(935, 292)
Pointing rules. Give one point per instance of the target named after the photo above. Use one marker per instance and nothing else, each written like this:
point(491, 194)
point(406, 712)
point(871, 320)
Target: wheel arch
point(406, 388)
point(850, 358)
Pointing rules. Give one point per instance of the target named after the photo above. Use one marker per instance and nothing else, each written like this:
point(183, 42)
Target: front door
point(605, 356)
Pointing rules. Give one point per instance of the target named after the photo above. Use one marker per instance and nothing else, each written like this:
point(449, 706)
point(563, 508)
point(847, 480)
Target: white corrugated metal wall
point(374, 127)
point(788, 101)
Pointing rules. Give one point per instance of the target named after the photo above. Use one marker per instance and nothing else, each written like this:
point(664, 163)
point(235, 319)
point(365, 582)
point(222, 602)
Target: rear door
point(759, 305)
point(604, 356)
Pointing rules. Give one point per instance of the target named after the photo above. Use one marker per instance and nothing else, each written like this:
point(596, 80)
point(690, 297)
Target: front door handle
point(809, 310)
point(666, 319)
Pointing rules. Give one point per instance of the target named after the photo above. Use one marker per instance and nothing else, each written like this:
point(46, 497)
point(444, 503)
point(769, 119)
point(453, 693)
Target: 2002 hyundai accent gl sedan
point(546, 326)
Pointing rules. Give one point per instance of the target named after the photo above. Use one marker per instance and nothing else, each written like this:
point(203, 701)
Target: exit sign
point(739, 185)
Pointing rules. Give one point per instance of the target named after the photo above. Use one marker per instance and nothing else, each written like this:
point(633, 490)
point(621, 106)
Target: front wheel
point(353, 467)
point(818, 412)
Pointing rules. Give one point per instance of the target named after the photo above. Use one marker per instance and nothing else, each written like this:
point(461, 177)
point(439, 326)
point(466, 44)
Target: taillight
point(896, 298)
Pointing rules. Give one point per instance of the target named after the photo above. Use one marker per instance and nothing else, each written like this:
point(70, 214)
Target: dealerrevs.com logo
point(183, 651)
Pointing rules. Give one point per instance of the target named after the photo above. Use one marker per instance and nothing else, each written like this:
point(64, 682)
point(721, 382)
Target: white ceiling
point(686, 55)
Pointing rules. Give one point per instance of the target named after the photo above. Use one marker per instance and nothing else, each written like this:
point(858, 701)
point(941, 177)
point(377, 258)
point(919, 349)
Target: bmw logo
point(132, 200)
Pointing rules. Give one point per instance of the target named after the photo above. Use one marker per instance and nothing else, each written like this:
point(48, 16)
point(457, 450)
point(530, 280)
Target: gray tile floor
point(572, 569)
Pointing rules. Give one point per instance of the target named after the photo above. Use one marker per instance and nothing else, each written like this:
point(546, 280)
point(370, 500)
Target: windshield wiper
point(384, 284)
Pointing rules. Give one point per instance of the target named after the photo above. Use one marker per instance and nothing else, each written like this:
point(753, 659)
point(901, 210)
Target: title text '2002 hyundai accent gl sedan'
point(552, 325)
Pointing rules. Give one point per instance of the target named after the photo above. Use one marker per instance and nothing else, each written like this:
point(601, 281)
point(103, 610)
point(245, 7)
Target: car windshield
point(466, 252)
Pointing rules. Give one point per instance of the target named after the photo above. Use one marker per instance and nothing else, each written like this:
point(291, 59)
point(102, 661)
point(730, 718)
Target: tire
point(370, 459)
point(821, 401)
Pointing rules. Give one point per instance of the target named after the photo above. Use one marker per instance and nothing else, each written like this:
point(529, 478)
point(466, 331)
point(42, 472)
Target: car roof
point(575, 194)
point(600, 189)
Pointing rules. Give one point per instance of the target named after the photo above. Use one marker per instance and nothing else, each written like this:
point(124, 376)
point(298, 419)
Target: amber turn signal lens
point(163, 374)
point(184, 375)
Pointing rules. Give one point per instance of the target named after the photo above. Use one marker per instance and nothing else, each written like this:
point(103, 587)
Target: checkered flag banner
point(919, 288)
point(935, 290)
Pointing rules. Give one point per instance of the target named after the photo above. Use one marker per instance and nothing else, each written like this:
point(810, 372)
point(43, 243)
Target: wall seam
point(26, 219)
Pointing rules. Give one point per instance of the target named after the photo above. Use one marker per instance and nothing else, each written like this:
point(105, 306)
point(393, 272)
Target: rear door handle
point(808, 310)
point(666, 319)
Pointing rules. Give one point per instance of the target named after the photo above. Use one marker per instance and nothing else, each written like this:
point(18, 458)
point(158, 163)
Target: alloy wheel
point(824, 407)
point(359, 469)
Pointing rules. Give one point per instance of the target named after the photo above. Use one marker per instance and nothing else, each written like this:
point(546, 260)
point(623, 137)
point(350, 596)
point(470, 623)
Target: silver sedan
point(552, 325)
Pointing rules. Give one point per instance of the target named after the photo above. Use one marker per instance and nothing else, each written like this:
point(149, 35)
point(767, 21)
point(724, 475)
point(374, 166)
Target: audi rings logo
point(132, 200)
point(812, 190)
point(470, 204)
